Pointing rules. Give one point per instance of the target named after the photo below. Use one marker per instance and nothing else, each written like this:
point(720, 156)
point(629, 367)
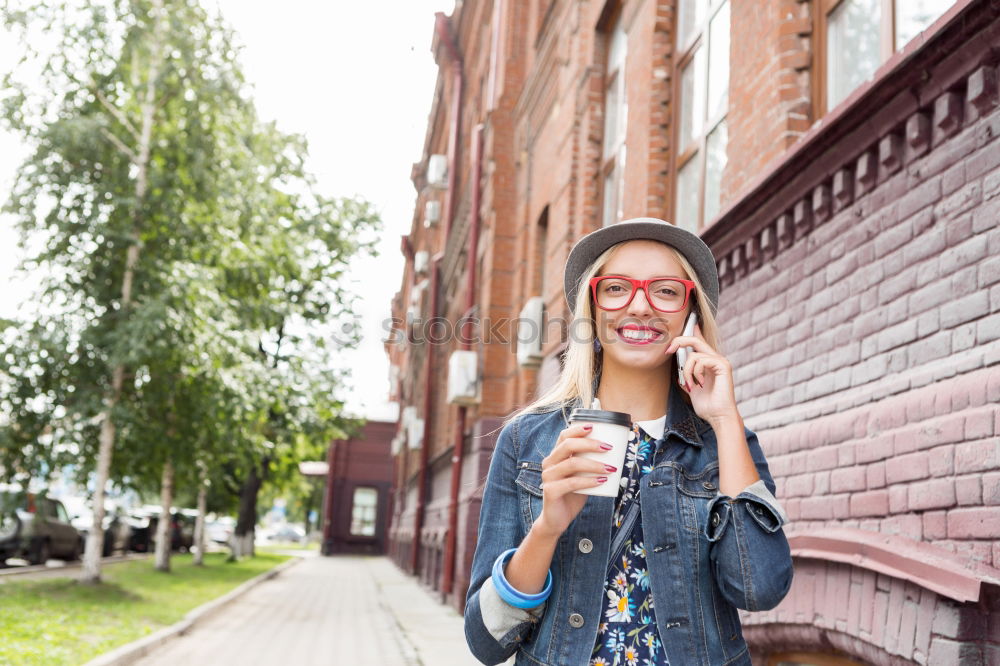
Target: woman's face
point(637, 336)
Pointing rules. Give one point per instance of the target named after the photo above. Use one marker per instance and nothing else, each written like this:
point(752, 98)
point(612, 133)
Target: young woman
point(654, 575)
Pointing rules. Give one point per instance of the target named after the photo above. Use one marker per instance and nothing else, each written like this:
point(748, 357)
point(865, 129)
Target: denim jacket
point(708, 553)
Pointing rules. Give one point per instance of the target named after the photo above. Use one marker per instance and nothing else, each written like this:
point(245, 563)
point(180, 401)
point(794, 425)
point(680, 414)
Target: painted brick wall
point(880, 619)
point(870, 353)
point(861, 311)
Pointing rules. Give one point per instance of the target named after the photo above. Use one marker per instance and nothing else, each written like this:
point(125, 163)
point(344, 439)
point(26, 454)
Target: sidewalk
point(328, 610)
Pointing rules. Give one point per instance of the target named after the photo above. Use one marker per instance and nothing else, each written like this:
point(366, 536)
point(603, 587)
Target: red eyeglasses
point(614, 292)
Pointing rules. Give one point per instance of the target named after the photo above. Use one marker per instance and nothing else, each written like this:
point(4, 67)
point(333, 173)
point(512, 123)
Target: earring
point(597, 346)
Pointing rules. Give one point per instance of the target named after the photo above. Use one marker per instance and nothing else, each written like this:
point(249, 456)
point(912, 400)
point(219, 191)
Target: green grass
point(59, 621)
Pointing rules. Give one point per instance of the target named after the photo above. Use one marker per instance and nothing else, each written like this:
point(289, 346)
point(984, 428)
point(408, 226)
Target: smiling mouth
point(634, 336)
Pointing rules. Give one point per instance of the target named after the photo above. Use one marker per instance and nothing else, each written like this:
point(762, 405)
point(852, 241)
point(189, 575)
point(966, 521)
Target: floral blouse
point(628, 634)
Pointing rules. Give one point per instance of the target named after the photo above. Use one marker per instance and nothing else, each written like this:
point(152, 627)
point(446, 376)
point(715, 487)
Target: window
point(47, 508)
point(856, 36)
point(615, 123)
point(702, 138)
point(541, 252)
point(364, 512)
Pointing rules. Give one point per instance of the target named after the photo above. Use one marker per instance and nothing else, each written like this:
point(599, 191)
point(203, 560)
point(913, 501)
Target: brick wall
point(861, 311)
point(867, 347)
point(769, 86)
point(877, 618)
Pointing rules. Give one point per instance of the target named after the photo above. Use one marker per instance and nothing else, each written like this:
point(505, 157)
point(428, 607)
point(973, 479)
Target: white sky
point(357, 79)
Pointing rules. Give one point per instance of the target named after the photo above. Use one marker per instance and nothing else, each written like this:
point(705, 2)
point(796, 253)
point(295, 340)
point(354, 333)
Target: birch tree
point(189, 264)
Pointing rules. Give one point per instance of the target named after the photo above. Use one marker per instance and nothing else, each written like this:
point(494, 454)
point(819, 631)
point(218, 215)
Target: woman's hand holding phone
point(684, 352)
point(707, 376)
point(561, 472)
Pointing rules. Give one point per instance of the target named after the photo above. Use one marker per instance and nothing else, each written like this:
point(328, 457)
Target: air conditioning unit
point(394, 380)
point(415, 435)
point(420, 261)
point(437, 171)
point(463, 378)
point(412, 427)
point(529, 333)
point(432, 213)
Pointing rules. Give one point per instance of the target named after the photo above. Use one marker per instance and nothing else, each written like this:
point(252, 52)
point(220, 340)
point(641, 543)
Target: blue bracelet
point(508, 593)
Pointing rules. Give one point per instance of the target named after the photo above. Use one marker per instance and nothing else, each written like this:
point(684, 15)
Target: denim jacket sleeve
point(493, 628)
point(750, 556)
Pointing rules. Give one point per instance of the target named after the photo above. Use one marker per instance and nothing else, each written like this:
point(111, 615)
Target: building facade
point(356, 500)
point(840, 157)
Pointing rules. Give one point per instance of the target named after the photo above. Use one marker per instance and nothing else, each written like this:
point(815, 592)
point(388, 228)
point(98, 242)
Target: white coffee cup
point(611, 428)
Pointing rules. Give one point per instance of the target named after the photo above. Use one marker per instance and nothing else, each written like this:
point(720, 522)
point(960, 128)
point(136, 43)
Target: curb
point(132, 652)
point(67, 570)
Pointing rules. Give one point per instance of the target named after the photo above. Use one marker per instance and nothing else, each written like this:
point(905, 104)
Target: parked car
point(220, 530)
point(183, 521)
point(143, 533)
point(36, 527)
point(144, 524)
point(117, 529)
point(287, 533)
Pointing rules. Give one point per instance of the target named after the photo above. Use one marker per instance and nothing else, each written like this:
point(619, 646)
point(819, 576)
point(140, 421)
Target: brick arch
point(882, 599)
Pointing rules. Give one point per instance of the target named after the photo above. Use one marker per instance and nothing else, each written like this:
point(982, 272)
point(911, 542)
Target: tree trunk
point(140, 158)
point(199, 525)
point(243, 535)
point(164, 529)
point(305, 516)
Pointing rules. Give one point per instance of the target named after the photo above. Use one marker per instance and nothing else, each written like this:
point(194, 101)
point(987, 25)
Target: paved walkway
point(327, 610)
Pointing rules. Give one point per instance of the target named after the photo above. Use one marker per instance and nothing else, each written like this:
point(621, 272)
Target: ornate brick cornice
point(919, 98)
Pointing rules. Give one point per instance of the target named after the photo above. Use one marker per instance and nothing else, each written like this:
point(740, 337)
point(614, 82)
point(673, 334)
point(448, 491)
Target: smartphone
point(682, 352)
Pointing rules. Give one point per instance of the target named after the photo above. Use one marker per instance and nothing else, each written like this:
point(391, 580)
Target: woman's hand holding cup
point(564, 473)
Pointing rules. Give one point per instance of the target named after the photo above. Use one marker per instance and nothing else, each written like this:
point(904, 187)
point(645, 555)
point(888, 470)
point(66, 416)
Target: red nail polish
point(588, 427)
point(606, 447)
point(602, 479)
point(611, 468)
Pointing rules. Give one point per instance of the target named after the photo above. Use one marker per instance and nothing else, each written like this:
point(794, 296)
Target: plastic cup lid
point(602, 416)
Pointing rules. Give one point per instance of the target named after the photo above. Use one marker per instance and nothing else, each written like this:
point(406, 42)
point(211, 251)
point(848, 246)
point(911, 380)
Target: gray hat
point(591, 246)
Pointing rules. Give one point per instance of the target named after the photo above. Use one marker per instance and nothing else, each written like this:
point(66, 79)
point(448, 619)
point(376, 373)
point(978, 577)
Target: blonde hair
point(581, 361)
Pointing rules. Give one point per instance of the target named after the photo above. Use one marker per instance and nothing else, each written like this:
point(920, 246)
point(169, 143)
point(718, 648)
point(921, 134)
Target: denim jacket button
point(586, 545)
point(715, 519)
point(576, 620)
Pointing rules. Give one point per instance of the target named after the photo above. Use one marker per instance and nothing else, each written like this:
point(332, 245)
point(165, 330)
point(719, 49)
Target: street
point(327, 610)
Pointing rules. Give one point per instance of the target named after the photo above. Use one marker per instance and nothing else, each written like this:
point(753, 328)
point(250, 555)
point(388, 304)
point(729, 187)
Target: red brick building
point(841, 159)
point(358, 482)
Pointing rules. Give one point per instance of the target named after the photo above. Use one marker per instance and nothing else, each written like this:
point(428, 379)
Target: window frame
point(615, 157)
point(374, 508)
point(698, 147)
point(821, 22)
